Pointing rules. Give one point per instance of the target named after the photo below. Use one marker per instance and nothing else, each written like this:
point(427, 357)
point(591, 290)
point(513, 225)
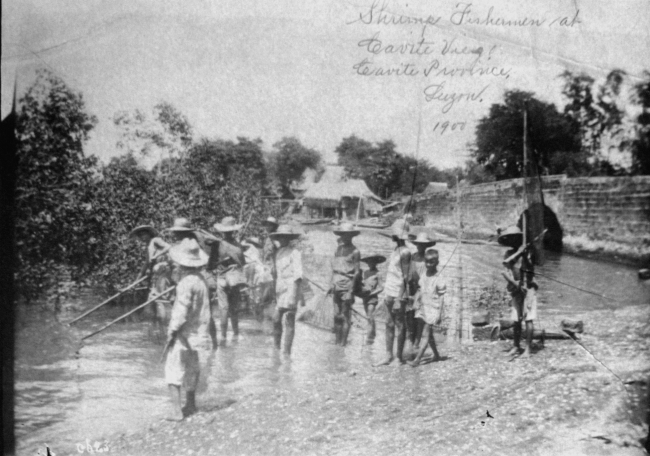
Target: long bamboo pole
point(108, 300)
point(129, 313)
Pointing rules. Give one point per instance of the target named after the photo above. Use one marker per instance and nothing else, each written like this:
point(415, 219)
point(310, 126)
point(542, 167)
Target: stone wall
point(597, 214)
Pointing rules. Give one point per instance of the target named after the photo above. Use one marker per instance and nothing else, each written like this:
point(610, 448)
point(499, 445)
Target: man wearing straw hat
point(255, 273)
point(228, 260)
point(396, 291)
point(188, 327)
point(346, 273)
point(268, 259)
point(415, 326)
point(155, 245)
point(288, 263)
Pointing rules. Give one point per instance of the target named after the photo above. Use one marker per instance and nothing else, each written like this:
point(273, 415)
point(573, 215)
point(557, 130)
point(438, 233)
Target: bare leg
point(338, 318)
point(401, 333)
point(419, 328)
point(390, 335)
point(190, 403)
point(233, 310)
point(277, 328)
point(529, 338)
point(176, 412)
point(346, 323)
point(426, 332)
point(370, 313)
point(290, 332)
point(432, 343)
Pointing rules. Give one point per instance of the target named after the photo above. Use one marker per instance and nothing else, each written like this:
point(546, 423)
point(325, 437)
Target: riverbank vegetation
point(73, 213)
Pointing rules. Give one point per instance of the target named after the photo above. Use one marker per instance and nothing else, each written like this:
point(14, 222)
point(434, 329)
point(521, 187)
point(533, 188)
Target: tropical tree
point(289, 160)
point(640, 143)
point(165, 133)
point(594, 110)
point(552, 136)
point(54, 220)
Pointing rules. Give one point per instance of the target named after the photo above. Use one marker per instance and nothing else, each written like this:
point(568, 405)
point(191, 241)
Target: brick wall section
point(612, 209)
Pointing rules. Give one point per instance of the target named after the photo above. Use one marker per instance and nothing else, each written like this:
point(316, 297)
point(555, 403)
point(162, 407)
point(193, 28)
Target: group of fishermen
point(213, 274)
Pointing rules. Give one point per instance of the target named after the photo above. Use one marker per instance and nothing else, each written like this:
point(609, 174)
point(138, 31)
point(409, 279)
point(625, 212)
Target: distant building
point(335, 196)
point(436, 187)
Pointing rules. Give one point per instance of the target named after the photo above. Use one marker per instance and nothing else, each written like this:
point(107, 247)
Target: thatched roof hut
point(334, 191)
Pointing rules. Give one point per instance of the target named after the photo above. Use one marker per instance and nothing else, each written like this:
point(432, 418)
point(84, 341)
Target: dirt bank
point(560, 401)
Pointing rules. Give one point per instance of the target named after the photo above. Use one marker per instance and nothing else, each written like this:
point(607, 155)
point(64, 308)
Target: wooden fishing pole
point(162, 252)
point(108, 300)
point(130, 312)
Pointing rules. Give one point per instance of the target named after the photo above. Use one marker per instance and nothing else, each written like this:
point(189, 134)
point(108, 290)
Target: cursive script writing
point(436, 92)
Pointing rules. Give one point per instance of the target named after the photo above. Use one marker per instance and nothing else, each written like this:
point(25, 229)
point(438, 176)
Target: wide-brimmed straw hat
point(143, 229)
point(188, 253)
point(227, 224)
point(511, 237)
point(271, 221)
point(284, 231)
point(423, 239)
point(181, 224)
point(376, 259)
point(346, 229)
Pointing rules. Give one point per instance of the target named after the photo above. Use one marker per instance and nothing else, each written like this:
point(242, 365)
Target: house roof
point(333, 186)
point(436, 187)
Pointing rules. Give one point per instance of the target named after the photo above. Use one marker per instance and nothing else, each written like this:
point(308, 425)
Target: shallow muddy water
point(68, 392)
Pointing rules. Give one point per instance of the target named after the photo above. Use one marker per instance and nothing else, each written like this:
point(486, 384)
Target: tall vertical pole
point(524, 174)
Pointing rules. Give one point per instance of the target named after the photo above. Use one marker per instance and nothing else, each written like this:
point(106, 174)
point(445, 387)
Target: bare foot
point(175, 414)
point(385, 362)
point(526, 353)
point(514, 351)
point(414, 363)
point(189, 410)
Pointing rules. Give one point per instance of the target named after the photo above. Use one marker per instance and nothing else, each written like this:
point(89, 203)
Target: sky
point(266, 70)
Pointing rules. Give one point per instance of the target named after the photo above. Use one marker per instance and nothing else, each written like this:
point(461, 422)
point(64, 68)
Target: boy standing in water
point(414, 325)
point(396, 291)
point(520, 285)
point(288, 264)
point(429, 303)
point(346, 271)
point(370, 290)
point(188, 327)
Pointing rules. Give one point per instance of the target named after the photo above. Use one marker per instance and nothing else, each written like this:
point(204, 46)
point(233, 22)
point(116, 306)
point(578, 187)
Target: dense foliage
point(386, 171)
point(54, 218)
point(500, 141)
point(73, 212)
point(289, 160)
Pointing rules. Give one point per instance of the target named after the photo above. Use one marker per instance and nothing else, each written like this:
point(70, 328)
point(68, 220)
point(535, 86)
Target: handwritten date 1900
point(445, 126)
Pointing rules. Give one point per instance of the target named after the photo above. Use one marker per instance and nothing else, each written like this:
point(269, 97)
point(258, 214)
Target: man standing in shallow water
point(288, 263)
point(396, 291)
point(346, 272)
point(188, 328)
